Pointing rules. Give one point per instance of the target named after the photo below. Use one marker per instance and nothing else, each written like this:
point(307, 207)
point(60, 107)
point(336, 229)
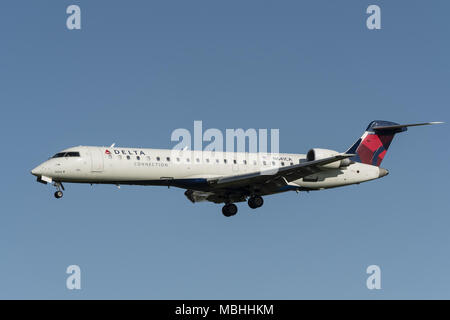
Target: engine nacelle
point(317, 154)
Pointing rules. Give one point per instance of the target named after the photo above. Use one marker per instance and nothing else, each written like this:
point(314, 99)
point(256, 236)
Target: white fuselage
point(186, 169)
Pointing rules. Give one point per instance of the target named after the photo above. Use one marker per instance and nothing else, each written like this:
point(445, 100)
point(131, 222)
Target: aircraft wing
point(278, 175)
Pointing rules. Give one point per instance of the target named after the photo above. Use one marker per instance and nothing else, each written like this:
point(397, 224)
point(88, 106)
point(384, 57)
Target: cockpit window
point(66, 154)
point(59, 155)
point(72, 154)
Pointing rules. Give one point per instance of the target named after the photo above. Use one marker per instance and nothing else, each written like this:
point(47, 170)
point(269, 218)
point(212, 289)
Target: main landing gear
point(230, 209)
point(255, 202)
point(58, 185)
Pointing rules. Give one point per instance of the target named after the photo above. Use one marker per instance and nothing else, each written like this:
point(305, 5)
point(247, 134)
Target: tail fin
point(374, 143)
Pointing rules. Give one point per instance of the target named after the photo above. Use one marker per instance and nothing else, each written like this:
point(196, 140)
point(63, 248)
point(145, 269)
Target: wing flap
point(288, 173)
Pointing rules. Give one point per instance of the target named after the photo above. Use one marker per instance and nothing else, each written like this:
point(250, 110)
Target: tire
point(232, 209)
point(255, 202)
point(229, 210)
point(251, 203)
point(258, 201)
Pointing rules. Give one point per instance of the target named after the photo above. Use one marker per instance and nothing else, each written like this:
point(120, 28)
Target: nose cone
point(37, 171)
point(382, 172)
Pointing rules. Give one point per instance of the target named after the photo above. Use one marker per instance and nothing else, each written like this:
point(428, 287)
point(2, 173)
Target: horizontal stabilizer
point(401, 126)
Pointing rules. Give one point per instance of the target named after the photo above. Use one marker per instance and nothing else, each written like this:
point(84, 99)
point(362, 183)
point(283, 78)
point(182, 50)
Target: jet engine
point(317, 154)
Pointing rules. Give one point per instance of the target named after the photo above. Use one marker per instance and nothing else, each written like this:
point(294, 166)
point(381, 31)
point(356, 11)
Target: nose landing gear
point(58, 185)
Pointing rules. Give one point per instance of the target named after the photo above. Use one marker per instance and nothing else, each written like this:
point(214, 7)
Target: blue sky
point(138, 70)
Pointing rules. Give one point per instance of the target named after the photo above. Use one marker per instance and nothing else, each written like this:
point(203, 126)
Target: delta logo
point(127, 152)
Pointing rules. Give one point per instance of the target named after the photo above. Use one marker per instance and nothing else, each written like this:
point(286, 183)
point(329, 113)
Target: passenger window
point(138, 158)
point(207, 160)
point(198, 160)
point(217, 160)
point(264, 163)
point(158, 158)
point(292, 163)
point(128, 157)
point(178, 159)
point(168, 159)
point(254, 162)
point(224, 160)
point(148, 158)
point(119, 157)
point(188, 160)
point(234, 161)
point(273, 163)
point(245, 161)
point(282, 164)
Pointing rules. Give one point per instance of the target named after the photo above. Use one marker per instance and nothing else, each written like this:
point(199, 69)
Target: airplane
point(225, 177)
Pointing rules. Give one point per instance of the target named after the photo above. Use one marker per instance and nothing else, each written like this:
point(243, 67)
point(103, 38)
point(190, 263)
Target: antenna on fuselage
point(112, 146)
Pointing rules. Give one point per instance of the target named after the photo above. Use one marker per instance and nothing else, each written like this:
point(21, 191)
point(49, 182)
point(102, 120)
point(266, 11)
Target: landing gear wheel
point(255, 202)
point(58, 185)
point(58, 194)
point(229, 210)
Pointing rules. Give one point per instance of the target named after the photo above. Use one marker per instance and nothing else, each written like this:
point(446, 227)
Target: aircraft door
point(96, 160)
